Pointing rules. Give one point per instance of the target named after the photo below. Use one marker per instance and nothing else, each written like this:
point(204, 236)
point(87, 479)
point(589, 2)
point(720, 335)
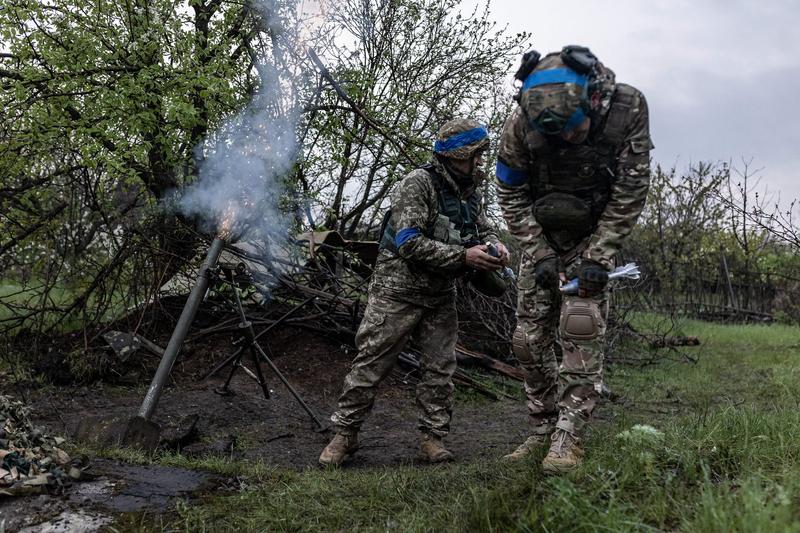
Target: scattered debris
point(491, 363)
point(32, 462)
point(281, 436)
point(459, 378)
point(127, 344)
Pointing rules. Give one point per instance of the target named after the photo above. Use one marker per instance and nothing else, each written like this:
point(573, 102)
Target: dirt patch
point(277, 430)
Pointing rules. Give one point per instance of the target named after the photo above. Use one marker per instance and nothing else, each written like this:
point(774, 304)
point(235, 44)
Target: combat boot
point(338, 450)
point(433, 449)
point(530, 445)
point(564, 454)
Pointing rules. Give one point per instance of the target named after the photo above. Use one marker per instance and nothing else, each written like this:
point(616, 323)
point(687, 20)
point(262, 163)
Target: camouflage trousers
point(561, 391)
point(387, 327)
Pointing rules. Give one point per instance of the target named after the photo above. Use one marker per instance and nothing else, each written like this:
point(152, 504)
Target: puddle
point(130, 488)
point(70, 522)
point(90, 505)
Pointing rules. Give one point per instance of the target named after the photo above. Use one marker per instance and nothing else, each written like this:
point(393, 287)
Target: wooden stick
point(493, 364)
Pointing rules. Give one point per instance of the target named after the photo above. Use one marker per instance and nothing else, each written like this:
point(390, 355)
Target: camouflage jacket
point(424, 270)
point(524, 151)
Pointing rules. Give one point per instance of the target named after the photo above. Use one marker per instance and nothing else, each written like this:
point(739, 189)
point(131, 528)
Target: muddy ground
point(246, 425)
point(277, 430)
point(111, 488)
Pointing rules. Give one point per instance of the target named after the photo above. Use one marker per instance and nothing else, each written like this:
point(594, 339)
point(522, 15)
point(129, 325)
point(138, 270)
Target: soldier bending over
point(573, 171)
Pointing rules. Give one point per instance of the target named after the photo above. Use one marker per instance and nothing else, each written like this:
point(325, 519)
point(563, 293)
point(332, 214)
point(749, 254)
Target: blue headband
point(556, 75)
point(459, 140)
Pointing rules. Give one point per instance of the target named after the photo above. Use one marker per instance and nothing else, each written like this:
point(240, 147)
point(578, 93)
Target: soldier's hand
point(505, 256)
point(548, 272)
point(592, 279)
point(478, 258)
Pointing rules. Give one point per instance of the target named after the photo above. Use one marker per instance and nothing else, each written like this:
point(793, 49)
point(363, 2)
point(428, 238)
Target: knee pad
point(519, 345)
point(581, 319)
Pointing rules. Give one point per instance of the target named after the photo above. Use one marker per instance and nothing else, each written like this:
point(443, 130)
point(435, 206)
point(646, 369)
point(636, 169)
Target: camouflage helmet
point(560, 93)
point(460, 138)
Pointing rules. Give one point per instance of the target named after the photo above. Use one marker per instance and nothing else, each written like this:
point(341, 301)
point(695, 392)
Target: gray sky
point(722, 78)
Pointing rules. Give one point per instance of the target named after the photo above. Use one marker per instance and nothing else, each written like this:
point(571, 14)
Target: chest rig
point(571, 183)
point(455, 223)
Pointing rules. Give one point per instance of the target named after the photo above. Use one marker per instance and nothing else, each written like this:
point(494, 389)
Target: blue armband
point(510, 176)
point(405, 235)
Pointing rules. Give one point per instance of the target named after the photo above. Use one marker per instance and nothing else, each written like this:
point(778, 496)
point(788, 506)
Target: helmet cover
point(460, 138)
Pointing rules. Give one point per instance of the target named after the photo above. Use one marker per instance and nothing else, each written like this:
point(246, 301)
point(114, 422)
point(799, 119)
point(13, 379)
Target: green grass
point(18, 300)
point(32, 296)
point(723, 456)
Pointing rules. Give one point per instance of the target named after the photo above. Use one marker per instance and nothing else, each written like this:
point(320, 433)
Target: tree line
point(110, 107)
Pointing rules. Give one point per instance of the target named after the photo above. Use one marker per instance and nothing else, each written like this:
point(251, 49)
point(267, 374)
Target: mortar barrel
point(181, 329)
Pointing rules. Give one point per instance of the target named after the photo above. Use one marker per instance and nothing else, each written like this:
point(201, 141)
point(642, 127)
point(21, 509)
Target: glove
point(592, 279)
point(546, 272)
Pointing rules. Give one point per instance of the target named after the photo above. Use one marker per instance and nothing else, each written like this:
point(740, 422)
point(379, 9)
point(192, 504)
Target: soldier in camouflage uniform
point(436, 210)
point(573, 172)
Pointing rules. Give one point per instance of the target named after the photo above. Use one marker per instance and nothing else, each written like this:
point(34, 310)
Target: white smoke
point(244, 164)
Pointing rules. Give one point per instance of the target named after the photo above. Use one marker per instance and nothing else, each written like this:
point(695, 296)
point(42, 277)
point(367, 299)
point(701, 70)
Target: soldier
point(436, 209)
point(573, 171)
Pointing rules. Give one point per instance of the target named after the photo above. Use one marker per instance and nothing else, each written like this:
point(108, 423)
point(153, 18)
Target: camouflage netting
point(32, 462)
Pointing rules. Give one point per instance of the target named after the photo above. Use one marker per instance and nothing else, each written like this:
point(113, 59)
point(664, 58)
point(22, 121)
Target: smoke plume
point(243, 164)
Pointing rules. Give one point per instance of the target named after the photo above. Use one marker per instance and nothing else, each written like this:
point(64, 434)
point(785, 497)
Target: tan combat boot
point(433, 449)
point(564, 454)
point(338, 450)
point(526, 448)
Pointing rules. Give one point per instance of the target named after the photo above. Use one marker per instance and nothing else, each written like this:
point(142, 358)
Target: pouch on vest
point(580, 319)
point(386, 234)
point(559, 211)
point(444, 231)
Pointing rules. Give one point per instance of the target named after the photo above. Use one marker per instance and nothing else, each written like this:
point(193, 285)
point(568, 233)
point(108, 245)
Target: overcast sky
point(722, 78)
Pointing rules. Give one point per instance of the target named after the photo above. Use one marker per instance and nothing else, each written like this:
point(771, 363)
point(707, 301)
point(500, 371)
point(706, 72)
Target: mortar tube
point(181, 329)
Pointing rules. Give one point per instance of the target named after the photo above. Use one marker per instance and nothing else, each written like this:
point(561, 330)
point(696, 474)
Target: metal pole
point(285, 381)
point(181, 329)
point(728, 279)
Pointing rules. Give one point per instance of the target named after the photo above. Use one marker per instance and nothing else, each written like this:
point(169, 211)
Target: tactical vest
point(456, 223)
point(571, 183)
